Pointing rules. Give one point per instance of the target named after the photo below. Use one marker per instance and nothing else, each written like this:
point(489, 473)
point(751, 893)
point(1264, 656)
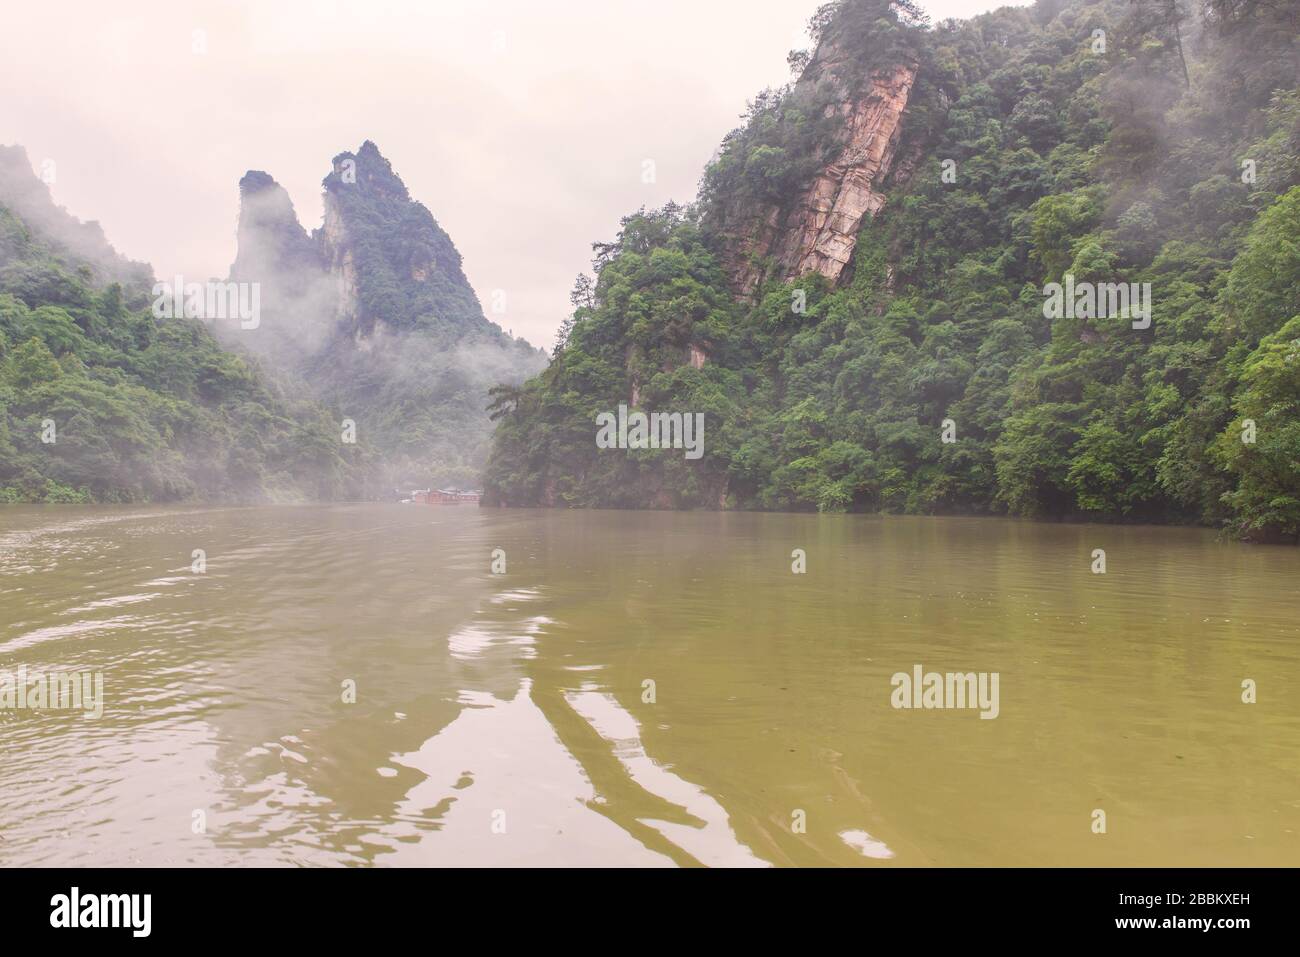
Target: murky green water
point(505, 719)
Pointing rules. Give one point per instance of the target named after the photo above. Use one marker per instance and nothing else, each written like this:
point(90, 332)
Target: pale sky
point(524, 126)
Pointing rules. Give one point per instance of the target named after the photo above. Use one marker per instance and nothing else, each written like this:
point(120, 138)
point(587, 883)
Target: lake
point(357, 685)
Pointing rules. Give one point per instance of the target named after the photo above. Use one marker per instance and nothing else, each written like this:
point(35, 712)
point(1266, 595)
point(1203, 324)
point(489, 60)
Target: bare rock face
point(826, 220)
point(337, 252)
point(818, 230)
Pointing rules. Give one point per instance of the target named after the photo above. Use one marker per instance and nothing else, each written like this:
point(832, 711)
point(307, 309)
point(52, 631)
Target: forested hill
point(900, 286)
point(101, 401)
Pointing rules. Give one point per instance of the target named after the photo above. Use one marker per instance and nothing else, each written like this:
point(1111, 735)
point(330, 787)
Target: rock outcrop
point(817, 230)
point(825, 222)
point(336, 251)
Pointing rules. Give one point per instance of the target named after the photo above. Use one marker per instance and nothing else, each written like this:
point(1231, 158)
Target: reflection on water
point(641, 689)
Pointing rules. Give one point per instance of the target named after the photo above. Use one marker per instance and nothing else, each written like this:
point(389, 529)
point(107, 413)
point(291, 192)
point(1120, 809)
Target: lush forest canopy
point(1169, 156)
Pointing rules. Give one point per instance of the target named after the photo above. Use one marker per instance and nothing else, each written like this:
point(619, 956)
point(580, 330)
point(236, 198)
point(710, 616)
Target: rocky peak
point(379, 263)
point(394, 263)
point(369, 171)
point(269, 234)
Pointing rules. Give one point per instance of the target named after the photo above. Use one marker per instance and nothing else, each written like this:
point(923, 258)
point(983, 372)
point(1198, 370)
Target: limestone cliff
point(816, 229)
point(336, 250)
